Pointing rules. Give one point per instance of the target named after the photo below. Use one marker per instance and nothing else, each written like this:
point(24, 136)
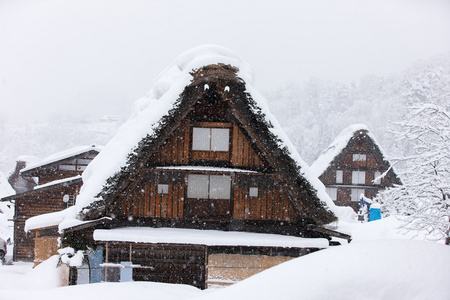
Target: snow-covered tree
point(423, 200)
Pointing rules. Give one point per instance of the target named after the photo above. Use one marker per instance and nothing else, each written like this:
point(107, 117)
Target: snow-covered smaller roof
point(57, 182)
point(205, 237)
point(63, 155)
point(335, 148)
point(45, 220)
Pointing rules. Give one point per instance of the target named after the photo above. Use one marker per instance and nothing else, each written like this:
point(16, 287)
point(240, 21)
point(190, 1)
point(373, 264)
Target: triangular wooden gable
point(215, 96)
point(361, 142)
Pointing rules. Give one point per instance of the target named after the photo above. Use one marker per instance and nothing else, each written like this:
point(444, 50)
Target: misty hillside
point(312, 115)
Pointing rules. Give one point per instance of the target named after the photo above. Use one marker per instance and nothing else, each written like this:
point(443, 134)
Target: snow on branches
point(422, 200)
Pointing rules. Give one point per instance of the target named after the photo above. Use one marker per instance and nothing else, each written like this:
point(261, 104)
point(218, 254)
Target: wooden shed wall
point(33, 205)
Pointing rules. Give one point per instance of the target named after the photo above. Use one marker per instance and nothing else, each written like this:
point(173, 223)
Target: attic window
point(210, 139)
point(359, 157)
point(163, 189)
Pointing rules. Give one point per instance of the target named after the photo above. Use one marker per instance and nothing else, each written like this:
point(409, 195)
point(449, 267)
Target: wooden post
point(106, 261)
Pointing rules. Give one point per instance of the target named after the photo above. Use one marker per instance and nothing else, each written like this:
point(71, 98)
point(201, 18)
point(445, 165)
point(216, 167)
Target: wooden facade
point(355, 169)
point(213, 163)
point(55, 180)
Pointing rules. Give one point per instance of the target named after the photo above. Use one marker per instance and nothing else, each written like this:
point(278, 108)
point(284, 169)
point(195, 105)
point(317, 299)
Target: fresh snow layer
point(204, 237)
point(5, 188)
point(56, 182)
point(384, 269)
point(147, 112)
point(336, 147)
point(201, 168)
point(45, 220)
point(63, 155)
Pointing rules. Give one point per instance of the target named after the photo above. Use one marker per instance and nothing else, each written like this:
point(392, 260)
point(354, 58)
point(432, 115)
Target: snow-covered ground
point(380, 263)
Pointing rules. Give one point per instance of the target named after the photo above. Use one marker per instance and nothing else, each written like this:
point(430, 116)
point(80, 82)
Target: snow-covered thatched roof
point(336, 147)
point(162, 100)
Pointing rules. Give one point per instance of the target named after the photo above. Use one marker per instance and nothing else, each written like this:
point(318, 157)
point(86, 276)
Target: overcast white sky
point(102, 55)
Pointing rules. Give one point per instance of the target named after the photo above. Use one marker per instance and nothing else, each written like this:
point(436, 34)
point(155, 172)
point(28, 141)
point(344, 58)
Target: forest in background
point(312, 115)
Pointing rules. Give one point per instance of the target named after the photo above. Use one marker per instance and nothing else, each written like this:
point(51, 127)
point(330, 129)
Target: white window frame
point(211, 185)
point(358, 177)
point(359, 157)
point(332, 192)
point(253, 192)
point(210, 139)
point(356, 193)
point(163, 188)
point(375, 180)
point(339, 176)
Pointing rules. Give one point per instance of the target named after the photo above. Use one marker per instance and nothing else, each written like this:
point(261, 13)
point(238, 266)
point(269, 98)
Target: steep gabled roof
point(338, 145)
point(171, 98)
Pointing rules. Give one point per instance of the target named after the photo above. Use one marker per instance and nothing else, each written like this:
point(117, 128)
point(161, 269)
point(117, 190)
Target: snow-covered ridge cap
point(336, 147)
point(149, 110)
point(63, 155)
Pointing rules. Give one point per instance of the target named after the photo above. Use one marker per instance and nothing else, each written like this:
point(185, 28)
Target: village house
point(354, 165)
point(201, 186)
point(58, 180)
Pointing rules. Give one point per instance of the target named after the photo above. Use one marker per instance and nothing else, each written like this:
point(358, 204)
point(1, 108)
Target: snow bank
point(389, 269)
point(385, 269)
point(5, 188)
point(161, 98)
point(204, 237)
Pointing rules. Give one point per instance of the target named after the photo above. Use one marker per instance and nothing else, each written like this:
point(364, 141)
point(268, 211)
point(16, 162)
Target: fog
point(97, 57)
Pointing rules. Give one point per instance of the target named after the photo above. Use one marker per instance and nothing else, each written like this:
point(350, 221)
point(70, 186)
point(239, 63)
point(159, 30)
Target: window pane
point(339, 176)
point(332, 192)
point(253, 192)
point(358, 177)
point(220, 187)
point(359, 157)
point(163, 188)
point(375, 180)
point(220, 138)
point(201, 139)
point(356, 194)
point(198, 186)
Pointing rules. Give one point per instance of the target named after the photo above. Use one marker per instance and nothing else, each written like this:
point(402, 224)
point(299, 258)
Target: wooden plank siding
point(271, 204)
point(33, 205)
point(243, 154)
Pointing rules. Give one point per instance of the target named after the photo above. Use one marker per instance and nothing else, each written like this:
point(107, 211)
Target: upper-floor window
point(210, 139)
point(339, 176)
point(377, 178)
point(359, 157)
point(358, 177)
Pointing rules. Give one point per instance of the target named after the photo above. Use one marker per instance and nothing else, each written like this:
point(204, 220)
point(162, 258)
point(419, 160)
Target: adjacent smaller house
point(354, 165)
point(58, 180)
